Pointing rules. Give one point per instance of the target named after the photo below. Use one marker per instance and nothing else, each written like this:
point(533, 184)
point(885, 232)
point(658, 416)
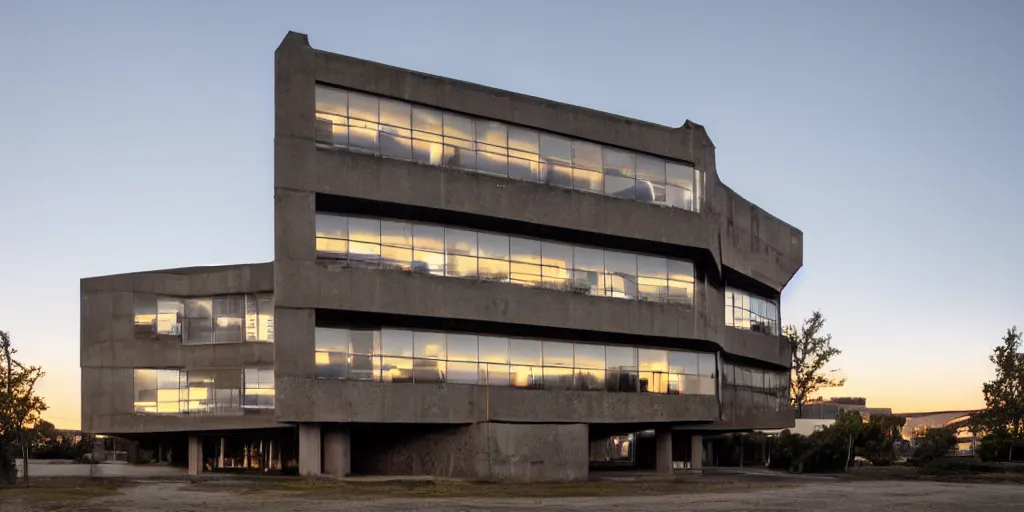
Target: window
point(454, 252)
point(396, 129)
point(213, 392)
point(750, 312)
point(198, 321)
point(415, 356)
point(259, 388)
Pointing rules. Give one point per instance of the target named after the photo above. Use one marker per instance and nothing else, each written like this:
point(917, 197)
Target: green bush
point(934, 444)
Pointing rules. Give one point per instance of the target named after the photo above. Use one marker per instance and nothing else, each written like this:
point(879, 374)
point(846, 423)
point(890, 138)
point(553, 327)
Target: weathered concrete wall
point(487, 451)
point(110, 350)
point(308, 399)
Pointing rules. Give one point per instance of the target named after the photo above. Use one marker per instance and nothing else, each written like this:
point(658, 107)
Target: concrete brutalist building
point(466, 282)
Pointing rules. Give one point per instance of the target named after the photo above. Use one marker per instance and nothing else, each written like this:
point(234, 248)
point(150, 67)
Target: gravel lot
point(832, 496)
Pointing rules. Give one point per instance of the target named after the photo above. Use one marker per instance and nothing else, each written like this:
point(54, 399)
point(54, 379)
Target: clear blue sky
point(138, 135)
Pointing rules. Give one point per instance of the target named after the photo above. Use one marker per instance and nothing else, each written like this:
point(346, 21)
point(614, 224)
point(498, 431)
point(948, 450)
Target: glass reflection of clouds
point(454, 252)
point(413, 356)
point(396, 129)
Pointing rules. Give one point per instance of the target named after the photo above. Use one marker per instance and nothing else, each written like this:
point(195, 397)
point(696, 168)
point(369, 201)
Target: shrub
point(934, 444)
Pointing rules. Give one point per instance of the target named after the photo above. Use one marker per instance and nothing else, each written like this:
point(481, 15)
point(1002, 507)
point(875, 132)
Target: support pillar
point(337, 452)
point(696, 451)
point(663, 453)
point(195, 456)
point(309, 449)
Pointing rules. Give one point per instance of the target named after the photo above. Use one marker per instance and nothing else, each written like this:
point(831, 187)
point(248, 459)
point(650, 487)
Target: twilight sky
point(138, 135)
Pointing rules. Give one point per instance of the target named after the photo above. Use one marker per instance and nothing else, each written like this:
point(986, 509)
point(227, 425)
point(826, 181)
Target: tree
point(934, 443)
point(20, 408)
point(1003, 416)
point(812, 351)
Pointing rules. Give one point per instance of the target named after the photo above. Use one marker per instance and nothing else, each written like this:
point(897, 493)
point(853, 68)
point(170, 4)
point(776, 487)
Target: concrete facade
point(448, 429)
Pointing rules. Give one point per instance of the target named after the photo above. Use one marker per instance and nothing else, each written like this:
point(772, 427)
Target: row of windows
point(447, 251)
point(748, 311)
point(745, 388)
point(397, 355)
point(214, 392)
point(204, 320)
point(396, 129)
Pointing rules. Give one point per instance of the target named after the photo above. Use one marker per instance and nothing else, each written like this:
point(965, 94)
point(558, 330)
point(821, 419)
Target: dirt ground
point(255, 496)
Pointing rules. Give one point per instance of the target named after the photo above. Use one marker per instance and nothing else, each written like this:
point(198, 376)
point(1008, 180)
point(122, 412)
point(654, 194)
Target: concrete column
point(309, 449)
point(337, 452)
point(696, 451)
point(195, 455)
point(663, 453)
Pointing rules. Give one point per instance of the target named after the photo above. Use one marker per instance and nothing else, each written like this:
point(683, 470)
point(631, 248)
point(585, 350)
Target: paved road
point(818, 496)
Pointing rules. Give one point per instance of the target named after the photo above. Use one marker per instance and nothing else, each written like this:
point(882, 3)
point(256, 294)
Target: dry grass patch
point(58, 492)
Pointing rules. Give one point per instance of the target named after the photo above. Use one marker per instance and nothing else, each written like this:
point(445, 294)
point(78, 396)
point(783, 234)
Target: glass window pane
point(426, 120)
point(492, 163)
point(494, 374)
point(363, 107)
point(394, 233)
point(169, 314)
point(458, 126)
point(586, 155)
point(145, 313)
point(523, 139)
point(460, 266)
point(529, 377)
point(428, 237)
point(682, 362)
point(493, 349)
point(652, 360)
point(619, 186)
point(462, 373)
point(365, 341)
point(679, 175)
point(650, 169)
point(364, 254)
point(331, 340)
point(557, 353)
point(680, 270)
point(525, 352)
point(331, 226)
point(619, 163)
point(429, 370)
point(587, 180)
point(654, 382)
point(364, 367)
point(707, 386)
point(429, 345)
point(462, 347)
point(556, 150)
point(493, 270)
point(652, 266)
point(588, 270)
point(622, 263)
point(524, 249)
point(589, 356)
point(395, 258)
point(493, 246)
point(647, 192)
point(589, 380)
point(395, 113)
point(679, 197)
point(457, 157)
point(331, 248)
point(623, 381)
point(492, 133)
point(395, 146)
point(428, 262)
point(396, 369)
point(620, 358)
point(557, 261)
point(364, 230)
point(523, 169)
point(458, 241)
point(558, 378)
point(329, 99)
point(706, 365)
point(396, 342)
point(555, 174)
point(198, 321)
point(227, 330)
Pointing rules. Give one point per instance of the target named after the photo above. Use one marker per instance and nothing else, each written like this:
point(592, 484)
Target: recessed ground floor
point(487, 451)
